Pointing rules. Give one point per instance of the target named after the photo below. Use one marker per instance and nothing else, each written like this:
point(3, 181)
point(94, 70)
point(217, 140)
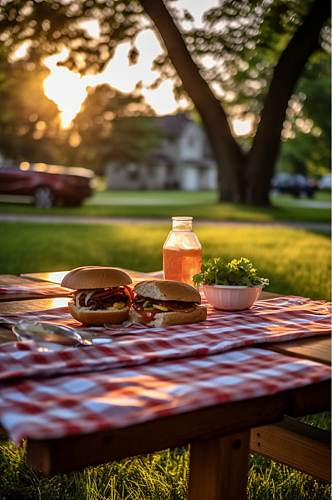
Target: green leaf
point(237, 272)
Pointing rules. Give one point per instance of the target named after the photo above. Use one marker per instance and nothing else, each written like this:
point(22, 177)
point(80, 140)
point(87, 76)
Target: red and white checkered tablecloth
point(89, 402)
point(273, 320)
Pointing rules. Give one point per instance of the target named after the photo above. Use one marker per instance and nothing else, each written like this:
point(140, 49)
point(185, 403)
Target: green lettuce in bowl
point(230, 286)
point(237, 272)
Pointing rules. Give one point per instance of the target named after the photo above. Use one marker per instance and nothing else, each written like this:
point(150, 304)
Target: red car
point(48, 185)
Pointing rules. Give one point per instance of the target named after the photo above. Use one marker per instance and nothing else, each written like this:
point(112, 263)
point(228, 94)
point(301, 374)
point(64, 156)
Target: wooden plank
point(57, 276)
point(295, 444)
point(9, 279)
point(21, 296)
point(29, 305)
point(219, 468)
point(304, 402)
point(316, 349)
point(53, 277)
point(12, 279)
point(76, 452)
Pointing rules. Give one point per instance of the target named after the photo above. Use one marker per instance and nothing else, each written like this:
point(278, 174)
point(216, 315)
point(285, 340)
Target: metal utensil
point(6, 323)
point(51, 336)
point(48, 333)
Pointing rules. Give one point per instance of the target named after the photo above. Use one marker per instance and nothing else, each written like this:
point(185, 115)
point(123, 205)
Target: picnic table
point(220, 435)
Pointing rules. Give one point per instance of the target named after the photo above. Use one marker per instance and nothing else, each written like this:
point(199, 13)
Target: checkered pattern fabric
point(85, 403)
point(273, 320)
point(33, 289)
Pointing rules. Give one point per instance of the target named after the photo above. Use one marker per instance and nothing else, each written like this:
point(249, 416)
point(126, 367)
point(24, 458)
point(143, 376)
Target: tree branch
point(304, 42)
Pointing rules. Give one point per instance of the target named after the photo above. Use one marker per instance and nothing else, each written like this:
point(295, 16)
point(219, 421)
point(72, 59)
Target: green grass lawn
point(158, 476)
point(202, 205)
point(296, 261)
point(183, 197)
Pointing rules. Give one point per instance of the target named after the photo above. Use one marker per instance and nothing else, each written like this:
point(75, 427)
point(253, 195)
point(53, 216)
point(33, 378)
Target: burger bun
point(90, 277)
point(168, 290)
point(99, 317)
point(198, 314)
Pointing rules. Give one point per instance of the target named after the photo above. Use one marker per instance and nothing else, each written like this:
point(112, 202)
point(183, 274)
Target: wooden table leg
point(219, 468)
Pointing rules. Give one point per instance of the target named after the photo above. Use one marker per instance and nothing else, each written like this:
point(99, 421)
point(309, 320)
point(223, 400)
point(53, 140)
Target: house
point(183, 161)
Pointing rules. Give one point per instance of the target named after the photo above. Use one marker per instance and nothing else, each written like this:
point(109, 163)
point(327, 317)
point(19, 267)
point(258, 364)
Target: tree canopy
point(27, 131)
point(307, 142)
point(236, 49)
point(112, 126)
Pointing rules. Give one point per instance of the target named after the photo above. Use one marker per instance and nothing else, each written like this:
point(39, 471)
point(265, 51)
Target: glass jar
point(182, 251)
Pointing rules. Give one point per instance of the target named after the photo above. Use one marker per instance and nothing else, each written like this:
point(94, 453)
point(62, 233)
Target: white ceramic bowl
point(231, 298)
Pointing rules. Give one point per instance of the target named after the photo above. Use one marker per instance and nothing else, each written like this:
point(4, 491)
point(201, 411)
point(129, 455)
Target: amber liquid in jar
point(182, 251)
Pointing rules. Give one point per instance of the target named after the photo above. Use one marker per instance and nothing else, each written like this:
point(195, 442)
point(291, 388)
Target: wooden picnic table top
point(224, 427)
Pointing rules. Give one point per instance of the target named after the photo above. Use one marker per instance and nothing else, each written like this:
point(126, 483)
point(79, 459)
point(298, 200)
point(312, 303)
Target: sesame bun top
point(168, 290)
point(90, 277)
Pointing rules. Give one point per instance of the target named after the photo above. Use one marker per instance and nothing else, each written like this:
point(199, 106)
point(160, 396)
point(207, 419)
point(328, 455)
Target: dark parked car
point(294, 184)
point(325, 182)
point(48, 185)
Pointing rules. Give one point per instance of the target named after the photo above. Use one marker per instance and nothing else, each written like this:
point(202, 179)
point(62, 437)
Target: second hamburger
point(166, 303)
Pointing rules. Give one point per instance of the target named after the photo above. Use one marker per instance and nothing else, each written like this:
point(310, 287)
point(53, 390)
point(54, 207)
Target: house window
point(191, 141)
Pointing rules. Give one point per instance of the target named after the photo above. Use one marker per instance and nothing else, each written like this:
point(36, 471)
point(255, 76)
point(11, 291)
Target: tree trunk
point(265, 149)
point(233, 189)
point(227, 152)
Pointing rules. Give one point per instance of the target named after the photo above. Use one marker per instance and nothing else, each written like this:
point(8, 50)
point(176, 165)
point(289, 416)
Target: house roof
point(173, 125)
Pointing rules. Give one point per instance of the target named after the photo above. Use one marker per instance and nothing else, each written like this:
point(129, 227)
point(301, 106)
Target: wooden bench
point(296, 444)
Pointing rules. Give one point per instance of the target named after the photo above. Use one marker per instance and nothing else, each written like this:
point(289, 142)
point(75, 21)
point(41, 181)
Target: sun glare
point(242, 127)
point(66, 88)
point(20, 52)
point(92, 27)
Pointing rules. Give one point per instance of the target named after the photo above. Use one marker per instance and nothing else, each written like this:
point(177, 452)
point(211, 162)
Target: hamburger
point(101, 295)
point(166, 303)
